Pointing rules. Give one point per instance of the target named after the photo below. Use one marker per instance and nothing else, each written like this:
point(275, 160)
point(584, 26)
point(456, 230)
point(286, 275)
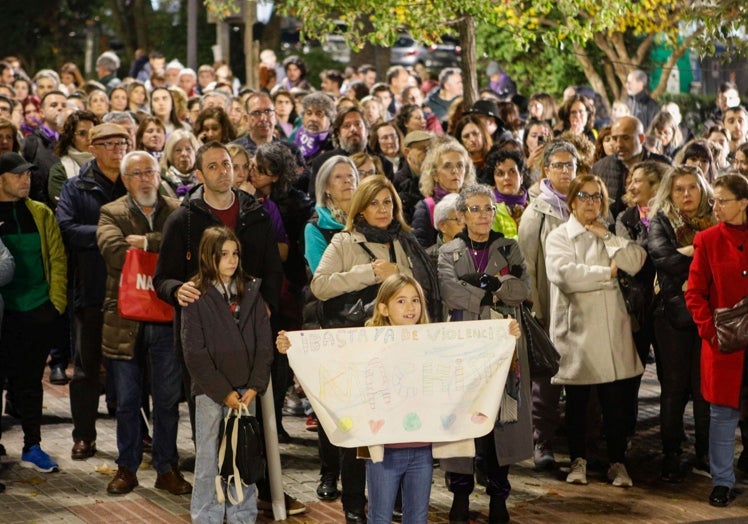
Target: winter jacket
point(221, 354)
point(39, 150)
point(718, 278)
point(315, 242)
point(589, 322)
point(117, 220)
point(77, 212)
point(7, 267)
point(538, 220)
point(180, 242)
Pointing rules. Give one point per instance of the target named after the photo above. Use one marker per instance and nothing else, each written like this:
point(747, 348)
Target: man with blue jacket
point(78, 214)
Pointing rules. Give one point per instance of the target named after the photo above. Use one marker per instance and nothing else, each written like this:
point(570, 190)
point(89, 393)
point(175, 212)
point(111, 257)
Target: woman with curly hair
point(295, 69)
point(72, 150)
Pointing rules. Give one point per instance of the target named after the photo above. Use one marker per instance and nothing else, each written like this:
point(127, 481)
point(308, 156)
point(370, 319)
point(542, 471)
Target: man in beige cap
point(78, 214)
point(406, 180)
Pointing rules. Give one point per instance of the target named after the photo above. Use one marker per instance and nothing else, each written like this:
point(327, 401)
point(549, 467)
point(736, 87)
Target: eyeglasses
point(366, 172)
point(143, 175)
point(563, 166)
point(721, 201)
point(259, 113)
point(586, 197)
point(488, 210)
point(110, 146)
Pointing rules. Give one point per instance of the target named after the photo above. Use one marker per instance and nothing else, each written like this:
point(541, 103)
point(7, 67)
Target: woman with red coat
point(718, 278)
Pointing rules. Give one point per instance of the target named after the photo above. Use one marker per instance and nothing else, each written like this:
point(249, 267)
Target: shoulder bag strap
point(236, 478)
point(221, 455)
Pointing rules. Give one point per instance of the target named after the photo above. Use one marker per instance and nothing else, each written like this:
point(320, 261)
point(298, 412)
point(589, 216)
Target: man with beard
point(216, 202)
point(135, 221)
point(77, 212)
point(350, 133)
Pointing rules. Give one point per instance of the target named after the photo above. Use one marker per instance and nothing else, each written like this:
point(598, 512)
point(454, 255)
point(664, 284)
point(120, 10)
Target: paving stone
point(77, 494)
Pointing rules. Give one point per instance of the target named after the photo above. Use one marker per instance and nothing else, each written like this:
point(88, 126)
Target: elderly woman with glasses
point(482, 273)
point(545, 213)
point(680, 210)
point(590, 325)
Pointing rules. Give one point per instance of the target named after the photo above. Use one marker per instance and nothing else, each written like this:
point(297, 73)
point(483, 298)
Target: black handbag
point(732, 327)
point(351, 309)
point(542, 354)
point(633, 296)
point(241, 454)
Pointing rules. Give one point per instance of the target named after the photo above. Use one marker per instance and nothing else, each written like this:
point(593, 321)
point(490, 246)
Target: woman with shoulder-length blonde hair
point(446, 169)
point(680, 210)
point(374, 244)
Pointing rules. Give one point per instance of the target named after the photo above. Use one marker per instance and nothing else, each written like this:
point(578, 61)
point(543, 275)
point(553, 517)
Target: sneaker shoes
point(312, 424)
point(37, 459)
point(577, 472)
point(618, 475)
point(543, 456)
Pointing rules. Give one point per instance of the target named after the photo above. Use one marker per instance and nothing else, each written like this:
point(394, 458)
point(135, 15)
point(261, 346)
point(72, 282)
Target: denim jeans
point(154, 342)
point(204, 507)
point(414, 468)
point(722, 424)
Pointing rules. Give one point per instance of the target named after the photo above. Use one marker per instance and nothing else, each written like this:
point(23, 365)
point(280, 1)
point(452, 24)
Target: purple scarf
point(511, 200)
point(556, 200)
point(439, 193)
point(309, 142)
point(51, 135)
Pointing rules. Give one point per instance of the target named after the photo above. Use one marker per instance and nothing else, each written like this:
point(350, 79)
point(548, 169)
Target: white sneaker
point(578, 472)
point(618, 475)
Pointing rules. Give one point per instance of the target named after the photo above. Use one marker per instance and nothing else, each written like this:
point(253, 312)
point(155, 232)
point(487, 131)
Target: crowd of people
point(379, 199)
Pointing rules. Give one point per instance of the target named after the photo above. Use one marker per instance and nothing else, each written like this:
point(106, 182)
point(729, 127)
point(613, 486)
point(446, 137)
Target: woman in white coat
point(590, 325)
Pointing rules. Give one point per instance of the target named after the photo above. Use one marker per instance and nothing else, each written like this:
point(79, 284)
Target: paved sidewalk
point(77, 494)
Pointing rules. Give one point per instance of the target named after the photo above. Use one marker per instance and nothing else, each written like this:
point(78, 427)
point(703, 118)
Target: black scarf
point(423, 269)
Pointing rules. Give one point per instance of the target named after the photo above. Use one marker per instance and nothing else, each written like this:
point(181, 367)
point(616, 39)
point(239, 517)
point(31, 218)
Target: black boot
point(673, 470)
point(497, 512)
point(459, 513)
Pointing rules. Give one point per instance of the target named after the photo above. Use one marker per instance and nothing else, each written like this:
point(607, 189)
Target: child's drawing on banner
point(423, 383)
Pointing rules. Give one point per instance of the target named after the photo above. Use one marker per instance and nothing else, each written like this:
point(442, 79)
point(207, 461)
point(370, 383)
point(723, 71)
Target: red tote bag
point(137, 296)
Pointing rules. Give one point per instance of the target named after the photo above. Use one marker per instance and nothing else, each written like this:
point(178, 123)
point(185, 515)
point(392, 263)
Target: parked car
point(407, 52)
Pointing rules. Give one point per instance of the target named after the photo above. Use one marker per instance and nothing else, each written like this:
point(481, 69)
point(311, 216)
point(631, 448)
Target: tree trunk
point(140, 17)
point(121, 28)
point(466, 27)
point(668, 66)
point(596, 82)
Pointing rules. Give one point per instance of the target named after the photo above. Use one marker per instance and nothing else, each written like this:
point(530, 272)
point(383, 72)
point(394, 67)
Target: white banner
point(424, 383)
